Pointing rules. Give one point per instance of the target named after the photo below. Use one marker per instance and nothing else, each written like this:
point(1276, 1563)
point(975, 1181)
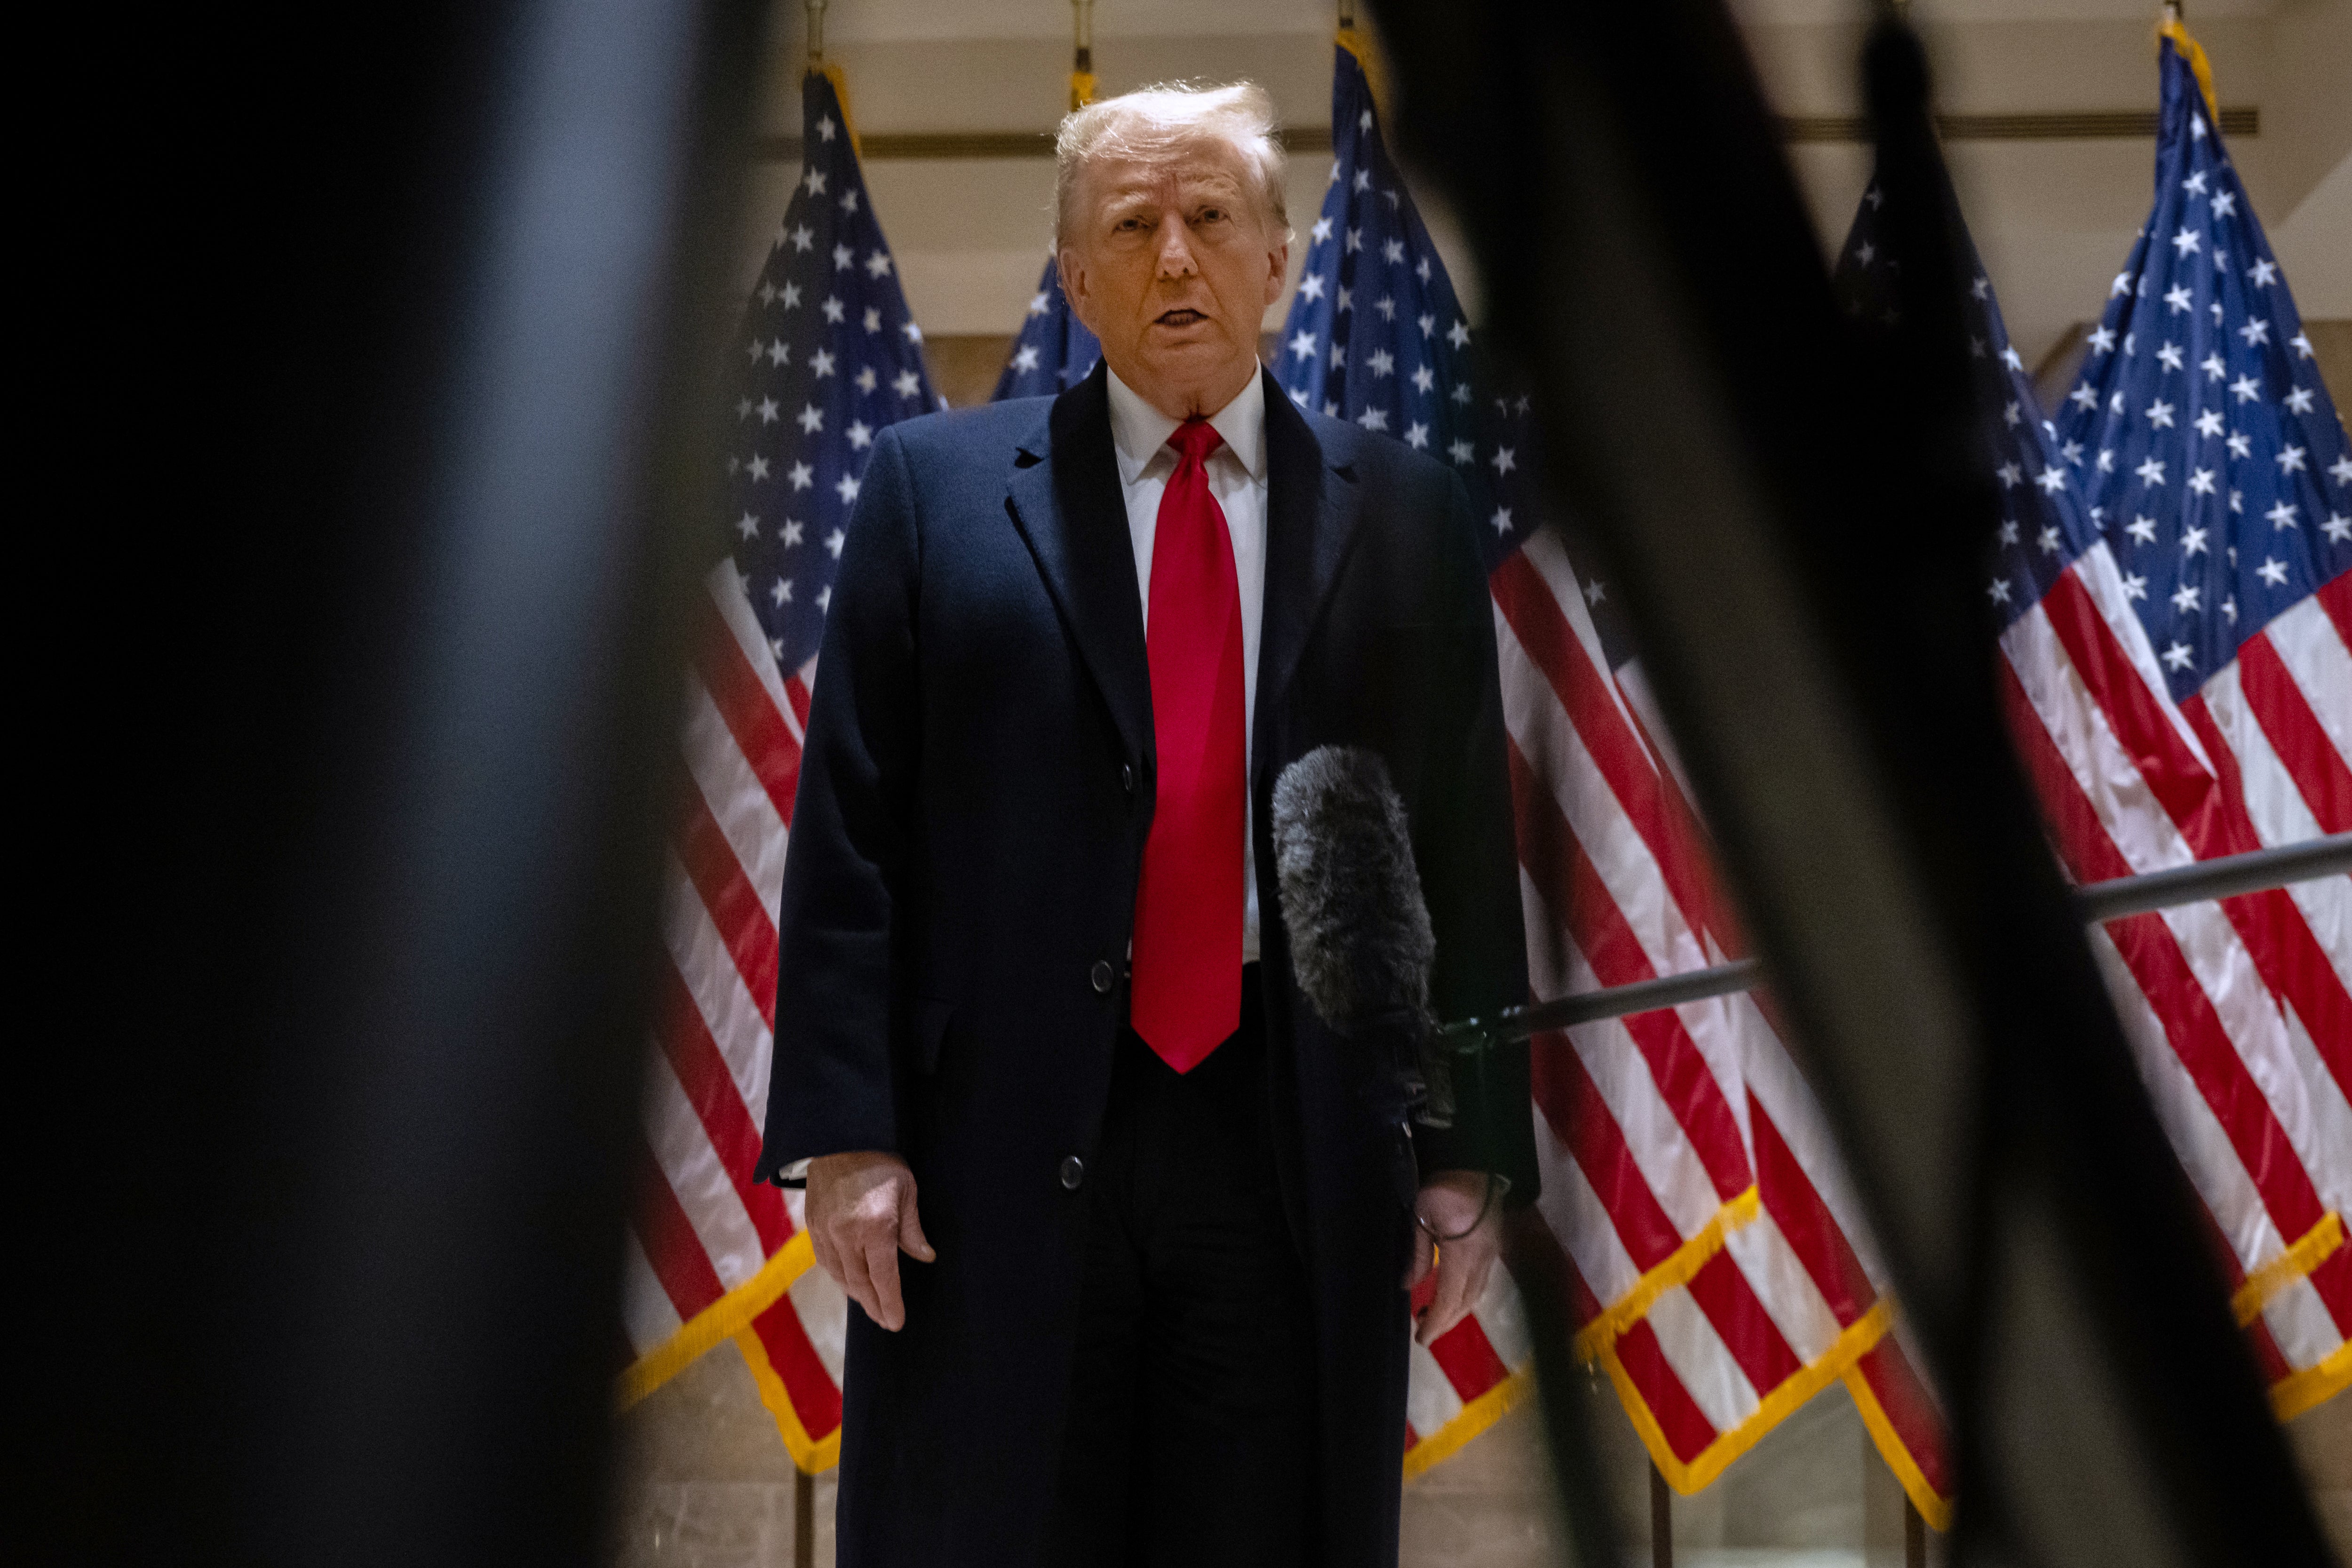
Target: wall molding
point(943, 146)
point(2089, 125)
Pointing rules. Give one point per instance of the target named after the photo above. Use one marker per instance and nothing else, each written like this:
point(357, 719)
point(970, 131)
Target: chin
point(1196, 356)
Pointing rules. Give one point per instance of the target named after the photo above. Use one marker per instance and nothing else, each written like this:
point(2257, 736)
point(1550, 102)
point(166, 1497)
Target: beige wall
point(2054, 219)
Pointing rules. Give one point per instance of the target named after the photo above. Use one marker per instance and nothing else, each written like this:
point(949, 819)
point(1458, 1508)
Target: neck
point(1192, 400)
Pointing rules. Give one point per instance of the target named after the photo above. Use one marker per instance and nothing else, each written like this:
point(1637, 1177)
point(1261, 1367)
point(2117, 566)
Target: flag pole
point(1661, 1520)
point(815, 9)
point(1082, 53)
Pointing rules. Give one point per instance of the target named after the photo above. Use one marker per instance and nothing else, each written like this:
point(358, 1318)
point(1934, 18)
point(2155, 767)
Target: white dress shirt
point(1236, 474)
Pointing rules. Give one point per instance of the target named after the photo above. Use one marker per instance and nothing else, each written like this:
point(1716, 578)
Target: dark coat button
point(1127, 777)
point(1074, 1171)
point(1102, 977)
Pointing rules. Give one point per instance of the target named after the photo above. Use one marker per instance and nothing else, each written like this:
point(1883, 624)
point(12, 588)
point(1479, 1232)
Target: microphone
point(1360, 941)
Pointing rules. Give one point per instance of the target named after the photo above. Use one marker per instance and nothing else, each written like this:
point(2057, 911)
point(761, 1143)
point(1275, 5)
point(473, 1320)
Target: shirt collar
point(1140, 431)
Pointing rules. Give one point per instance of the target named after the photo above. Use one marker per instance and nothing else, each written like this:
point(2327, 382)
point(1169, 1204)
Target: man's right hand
point(861, 1216)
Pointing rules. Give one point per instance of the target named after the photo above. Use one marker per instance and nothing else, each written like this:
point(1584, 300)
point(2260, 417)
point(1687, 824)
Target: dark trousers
point(1191, 1413)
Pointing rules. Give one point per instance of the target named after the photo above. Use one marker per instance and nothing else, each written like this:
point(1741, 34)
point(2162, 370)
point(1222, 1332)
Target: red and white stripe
point(1714, 1256)
point(711, 1254)
point(1719, 1266)
point(2239, 1013)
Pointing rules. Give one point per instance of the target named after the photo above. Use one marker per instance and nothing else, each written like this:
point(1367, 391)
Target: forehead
point(1201, 161)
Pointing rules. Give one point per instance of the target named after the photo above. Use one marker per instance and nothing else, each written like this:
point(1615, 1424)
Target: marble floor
point(704, 1482)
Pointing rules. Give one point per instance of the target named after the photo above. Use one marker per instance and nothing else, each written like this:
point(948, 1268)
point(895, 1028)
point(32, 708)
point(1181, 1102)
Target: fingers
point(853, 1278)
point(860, 1211)
point(860, 1250)
point(882, 1269)
point(1462, 1271)
point(844, 1265)
point(1451, 1301)
point(1445, 1308)
point(911, 1240)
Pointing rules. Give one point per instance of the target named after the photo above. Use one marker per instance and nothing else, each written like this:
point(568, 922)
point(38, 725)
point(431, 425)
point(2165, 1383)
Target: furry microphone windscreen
point(1359, 936)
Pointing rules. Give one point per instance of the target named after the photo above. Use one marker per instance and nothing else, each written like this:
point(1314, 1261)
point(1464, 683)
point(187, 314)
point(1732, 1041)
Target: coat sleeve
point(1470, 875)
point(831, 1087)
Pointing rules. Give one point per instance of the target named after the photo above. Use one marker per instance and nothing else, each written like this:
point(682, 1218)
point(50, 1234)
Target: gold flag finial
point(1082, 53)
point(2194, 53)
point(817, 65)
point(1366, 49)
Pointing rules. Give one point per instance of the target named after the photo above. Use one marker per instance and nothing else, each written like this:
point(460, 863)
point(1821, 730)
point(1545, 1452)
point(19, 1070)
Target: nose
point(1175, 250)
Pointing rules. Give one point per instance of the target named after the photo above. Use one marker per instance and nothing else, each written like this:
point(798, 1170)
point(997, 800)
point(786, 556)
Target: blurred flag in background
point(829, 355)
point(1054, 350)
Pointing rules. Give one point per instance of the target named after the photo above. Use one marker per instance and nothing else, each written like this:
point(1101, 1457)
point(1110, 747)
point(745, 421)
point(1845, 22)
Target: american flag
point(1719, 1268)
point(1055, 352)
point(829, 355)
point(2171, 582)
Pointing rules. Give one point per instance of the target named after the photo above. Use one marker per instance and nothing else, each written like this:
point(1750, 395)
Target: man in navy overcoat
point(1122, 1219)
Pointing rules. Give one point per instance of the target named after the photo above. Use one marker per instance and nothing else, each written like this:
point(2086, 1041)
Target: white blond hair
point(1152, 121)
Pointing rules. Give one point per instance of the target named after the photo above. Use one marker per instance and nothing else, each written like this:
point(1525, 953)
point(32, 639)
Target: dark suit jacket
point(975, 795)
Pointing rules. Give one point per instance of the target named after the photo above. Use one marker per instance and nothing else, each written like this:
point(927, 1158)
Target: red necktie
point(1187, 996)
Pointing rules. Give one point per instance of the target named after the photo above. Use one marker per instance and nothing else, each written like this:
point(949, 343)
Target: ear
point(1076, 285)
point(1277, 271)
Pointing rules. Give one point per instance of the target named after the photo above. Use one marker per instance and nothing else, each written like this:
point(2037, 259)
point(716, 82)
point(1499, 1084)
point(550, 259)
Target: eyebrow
point(1210, 181)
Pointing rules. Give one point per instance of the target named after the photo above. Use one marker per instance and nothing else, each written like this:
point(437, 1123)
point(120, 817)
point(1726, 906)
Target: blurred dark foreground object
point(1794, 519)
point(430, 300)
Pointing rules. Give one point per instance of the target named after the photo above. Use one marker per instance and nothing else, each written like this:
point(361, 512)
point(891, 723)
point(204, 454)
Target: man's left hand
point(1451, 1203)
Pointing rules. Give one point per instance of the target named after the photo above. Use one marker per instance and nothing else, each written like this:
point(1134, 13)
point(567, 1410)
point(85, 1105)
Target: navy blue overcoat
point(974, 795)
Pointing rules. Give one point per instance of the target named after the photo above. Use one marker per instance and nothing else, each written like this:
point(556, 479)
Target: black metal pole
point(2222, 877)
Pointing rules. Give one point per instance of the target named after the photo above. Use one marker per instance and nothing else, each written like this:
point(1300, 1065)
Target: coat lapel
point(1311, 514)
point(1066, 498)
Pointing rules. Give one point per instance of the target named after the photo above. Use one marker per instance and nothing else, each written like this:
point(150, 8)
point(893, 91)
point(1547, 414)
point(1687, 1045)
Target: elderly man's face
point(1172, 262)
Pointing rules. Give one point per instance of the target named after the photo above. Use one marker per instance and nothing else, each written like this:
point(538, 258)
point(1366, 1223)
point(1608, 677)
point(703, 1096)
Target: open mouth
point(1181, 318)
